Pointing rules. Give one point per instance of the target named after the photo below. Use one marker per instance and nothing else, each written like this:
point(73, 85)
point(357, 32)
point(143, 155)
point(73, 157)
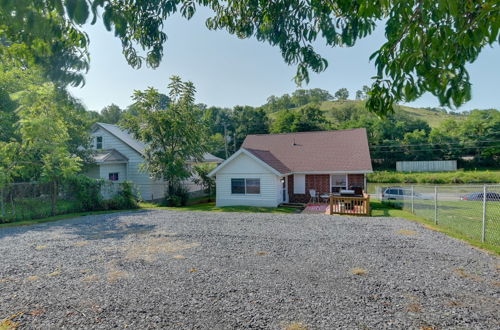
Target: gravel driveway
point(185, 270)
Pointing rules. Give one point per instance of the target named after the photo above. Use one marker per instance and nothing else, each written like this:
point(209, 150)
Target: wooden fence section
point(350, 205)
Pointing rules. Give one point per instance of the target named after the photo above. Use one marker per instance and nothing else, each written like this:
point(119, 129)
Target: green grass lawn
point(210, 207)
point(455, 177)
point(455, 222)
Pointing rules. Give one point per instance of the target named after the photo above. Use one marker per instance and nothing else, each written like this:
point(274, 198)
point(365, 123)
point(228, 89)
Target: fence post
point(331, 205)
point(435, 205)
point(412, 198)
point(483, 234)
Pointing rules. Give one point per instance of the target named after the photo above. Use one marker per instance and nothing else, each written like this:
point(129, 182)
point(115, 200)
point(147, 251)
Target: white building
point(118, 158)
point(271, 169)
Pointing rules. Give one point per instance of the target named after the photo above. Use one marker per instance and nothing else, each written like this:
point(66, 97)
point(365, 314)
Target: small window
point(113, 176)
point(253, 186)
point(237, 186)
point(245, 186)
point(98, 144)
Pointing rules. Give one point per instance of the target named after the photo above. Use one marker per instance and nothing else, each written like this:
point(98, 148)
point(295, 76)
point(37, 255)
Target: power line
point(430, 144)
point(437, 149)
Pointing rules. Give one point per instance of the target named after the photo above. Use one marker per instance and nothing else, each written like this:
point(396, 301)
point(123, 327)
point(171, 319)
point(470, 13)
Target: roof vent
point(294, 144)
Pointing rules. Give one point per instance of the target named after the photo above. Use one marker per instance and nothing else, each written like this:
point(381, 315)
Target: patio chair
point(314, 196)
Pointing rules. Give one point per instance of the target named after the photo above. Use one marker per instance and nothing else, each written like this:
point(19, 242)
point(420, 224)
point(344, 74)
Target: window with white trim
point(98, 142)
point(240, 186)
point(113, 176)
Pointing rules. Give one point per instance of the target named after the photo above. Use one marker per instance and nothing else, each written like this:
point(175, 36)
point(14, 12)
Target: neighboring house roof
point(125, 136)
point(309, 152)
point(249, 154)
point(138, 146)
point(109, 156)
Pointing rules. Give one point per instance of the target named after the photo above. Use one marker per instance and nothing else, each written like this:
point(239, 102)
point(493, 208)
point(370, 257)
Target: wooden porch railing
point(350, 205)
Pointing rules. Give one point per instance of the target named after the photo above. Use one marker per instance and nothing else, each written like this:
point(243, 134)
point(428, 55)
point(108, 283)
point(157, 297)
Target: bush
point(124, 199)
point(86, 192)
point(178, 196)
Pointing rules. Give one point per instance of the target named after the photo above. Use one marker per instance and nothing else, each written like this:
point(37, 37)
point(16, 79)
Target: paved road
point(185, 270)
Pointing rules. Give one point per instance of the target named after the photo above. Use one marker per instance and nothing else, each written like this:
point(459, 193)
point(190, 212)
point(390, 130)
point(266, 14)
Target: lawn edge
point(428, 224)
point(61, 217)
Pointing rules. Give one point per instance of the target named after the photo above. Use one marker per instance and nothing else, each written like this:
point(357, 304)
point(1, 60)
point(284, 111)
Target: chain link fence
point(473, 210)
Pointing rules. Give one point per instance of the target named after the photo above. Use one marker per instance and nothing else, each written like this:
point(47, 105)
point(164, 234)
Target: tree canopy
point(429, 43)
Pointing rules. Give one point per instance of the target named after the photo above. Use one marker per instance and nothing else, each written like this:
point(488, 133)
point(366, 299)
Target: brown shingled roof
point(324, 151)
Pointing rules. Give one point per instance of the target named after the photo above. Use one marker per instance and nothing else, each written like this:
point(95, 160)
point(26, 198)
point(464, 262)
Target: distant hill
point(333, 110)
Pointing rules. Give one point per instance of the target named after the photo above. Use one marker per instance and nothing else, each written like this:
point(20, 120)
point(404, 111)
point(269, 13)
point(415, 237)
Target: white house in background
point(271, 169)
point(118, 158)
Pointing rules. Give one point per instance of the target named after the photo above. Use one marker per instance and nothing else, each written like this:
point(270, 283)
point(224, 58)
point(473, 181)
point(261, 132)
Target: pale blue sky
point(228, 71)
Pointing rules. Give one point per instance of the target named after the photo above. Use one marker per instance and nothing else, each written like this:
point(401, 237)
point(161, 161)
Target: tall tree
point(248, 120)
point(111, 114)
point(342, 94)
point(174, 136)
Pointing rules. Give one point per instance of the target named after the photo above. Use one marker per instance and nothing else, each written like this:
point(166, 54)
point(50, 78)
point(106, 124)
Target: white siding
point(147, 188)
point(245, 167)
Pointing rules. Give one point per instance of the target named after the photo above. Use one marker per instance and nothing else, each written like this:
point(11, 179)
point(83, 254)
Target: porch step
point(293, 205)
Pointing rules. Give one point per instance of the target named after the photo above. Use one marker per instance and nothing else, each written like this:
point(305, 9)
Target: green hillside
point(334, 110)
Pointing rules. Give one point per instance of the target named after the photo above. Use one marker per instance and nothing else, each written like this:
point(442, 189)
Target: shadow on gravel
point(88, 227)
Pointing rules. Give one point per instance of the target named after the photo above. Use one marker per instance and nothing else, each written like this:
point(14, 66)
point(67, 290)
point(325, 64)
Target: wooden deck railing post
point(331, 205)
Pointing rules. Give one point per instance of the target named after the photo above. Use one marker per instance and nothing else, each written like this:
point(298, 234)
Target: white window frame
point(299, 184)
point(246, 192)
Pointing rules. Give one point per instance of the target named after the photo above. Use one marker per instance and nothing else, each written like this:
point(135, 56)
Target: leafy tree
point(201, 178)
point(284, 122)
point(428, 47)
point(309, 118)
point(248, 120)
point(363, 93)
point(111, 114)
point(174, 136)
point(46, 136)
point(342, 94)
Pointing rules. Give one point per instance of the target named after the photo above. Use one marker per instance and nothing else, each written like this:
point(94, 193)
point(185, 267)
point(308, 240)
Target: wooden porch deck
point(359, 205)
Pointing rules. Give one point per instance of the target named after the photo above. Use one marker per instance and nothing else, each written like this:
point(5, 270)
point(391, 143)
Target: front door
point(284, 188)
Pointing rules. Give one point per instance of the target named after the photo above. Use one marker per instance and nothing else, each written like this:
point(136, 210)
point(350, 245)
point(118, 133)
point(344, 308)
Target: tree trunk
point(2, 206)
point(54, 198)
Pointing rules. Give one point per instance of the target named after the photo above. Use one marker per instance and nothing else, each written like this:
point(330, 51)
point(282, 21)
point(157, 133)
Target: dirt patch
point(262, 253)
point(33, 278)
point(82, 243)
point(90, 278)
point(9, 323)
point(40, 247)
point(178, 256)
point(114, 273)
point(295, 326)
point(407, 232)
point(462, 273)
point(358, 271)
point(56, 272)
point(152, 247)
point(414, 308)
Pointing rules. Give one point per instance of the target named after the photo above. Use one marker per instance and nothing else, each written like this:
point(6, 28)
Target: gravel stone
point(200, 270)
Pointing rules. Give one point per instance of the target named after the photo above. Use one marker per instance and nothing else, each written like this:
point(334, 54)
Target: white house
point(271, 169)
point(118, 158)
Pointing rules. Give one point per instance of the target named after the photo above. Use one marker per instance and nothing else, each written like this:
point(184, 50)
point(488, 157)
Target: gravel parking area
point(196, 270)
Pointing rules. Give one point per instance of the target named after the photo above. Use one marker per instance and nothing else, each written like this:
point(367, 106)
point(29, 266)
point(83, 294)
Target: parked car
point(479, 196)
point(398, 193)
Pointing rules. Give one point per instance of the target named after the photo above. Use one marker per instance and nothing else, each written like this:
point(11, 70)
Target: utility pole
point(225, 140)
